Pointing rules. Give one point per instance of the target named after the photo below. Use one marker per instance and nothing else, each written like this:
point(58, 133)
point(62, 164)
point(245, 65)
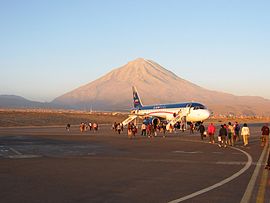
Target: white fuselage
point(192, 115)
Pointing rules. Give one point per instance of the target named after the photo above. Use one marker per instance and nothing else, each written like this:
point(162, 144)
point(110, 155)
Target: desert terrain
point(43, 117)
point(39, 117)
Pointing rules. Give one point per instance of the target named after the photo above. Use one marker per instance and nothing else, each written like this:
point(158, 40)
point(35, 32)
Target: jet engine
point(153, 120)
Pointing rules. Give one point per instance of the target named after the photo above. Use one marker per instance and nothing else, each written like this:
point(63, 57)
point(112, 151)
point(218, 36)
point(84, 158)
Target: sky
point(48, 48)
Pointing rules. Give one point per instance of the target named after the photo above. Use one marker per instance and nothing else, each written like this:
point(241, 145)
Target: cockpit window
point(199, 107)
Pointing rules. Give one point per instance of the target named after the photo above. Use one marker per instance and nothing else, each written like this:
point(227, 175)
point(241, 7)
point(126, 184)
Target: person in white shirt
point(245, 134)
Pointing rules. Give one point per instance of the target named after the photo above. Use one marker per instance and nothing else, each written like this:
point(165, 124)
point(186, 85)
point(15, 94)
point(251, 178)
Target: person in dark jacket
point(268, 162)
point(223, 135)
point(265, 135)
point(201, 130)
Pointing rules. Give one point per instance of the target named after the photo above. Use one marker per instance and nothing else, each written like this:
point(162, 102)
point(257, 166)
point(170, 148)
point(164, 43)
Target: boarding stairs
point(180, 115)
point(129, 119)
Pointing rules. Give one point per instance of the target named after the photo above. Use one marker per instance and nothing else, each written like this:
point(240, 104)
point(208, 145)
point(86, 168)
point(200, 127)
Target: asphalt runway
point(48, 164)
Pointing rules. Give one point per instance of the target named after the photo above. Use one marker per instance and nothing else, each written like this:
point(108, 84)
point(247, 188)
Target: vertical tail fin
point(136, 98)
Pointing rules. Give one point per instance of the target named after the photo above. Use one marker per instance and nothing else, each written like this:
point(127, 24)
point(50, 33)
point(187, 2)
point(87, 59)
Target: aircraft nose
point(207, 114)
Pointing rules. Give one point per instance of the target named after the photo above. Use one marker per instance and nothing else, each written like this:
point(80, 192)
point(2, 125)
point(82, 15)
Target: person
point(211, 132)
point(222, 136)
point(230, 134)
point(118, 127)
point(236, 131)
point(183, 127)
point(143, 129)
point(129, 131)
point(191, 128)
point(268, 162)
point(68, 127)
point(133, 129)
point(170, 128)
point(245, 133)
point(265, 135)
point(148, 130)
point(82, 127)
point(95, 127)
point(90, 126)
point(115, 126)
point(201, 130)
point(164, 129)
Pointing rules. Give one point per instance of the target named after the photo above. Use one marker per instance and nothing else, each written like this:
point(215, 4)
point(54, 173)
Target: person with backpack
point(265, 135)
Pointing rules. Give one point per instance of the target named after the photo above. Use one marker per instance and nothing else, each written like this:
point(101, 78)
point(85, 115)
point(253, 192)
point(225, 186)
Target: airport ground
point(48, 164)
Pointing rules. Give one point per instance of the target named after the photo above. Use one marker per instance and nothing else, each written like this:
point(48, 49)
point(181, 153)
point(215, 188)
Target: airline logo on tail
point(136, 99)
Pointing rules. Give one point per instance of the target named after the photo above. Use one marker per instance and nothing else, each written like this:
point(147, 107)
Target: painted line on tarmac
point(223, 182)
point(24, 156)
point(262, 187)
point(186, 152)
point(15, 151)
point(263, 183)
point(217, 152)
point(247, 195)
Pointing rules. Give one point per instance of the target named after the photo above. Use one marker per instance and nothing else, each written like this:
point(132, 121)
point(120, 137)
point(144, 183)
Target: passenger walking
point(129, 131)
point(115, 126)
point(170, 128)
point(143, 129)
point(95, 127)
point(268, 162)
point(82, 127)
point(201, 130)
point(164, 129)
point(230, 134)
point(191, 128)
point(148, 130)
point(222, 136)
point(211, 132)
point(68, 127)
point(118, 127)
point(265, 135)
point(133, 129)
point(90, 126)
point(153, 131)
point(245, 132)
point(183, 126)
point(236, 131)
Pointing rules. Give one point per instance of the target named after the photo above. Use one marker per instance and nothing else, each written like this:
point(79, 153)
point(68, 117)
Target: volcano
point(112, 92)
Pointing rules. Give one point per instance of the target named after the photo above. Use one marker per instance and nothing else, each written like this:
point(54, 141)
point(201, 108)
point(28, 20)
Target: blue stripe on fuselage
point(171, 106)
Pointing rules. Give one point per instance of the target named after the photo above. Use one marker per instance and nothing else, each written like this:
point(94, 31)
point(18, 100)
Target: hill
point(156, 85)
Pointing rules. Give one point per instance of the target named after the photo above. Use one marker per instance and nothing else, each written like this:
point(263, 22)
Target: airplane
point(169, 113)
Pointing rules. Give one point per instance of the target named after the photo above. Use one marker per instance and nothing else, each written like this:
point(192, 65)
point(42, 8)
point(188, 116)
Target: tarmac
point(49, 164)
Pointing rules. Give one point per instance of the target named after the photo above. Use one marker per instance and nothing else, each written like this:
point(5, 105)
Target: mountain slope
point(155, 85)
point(13, 101)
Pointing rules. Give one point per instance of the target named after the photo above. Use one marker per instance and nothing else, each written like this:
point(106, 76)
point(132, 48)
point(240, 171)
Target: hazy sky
point(48, 48)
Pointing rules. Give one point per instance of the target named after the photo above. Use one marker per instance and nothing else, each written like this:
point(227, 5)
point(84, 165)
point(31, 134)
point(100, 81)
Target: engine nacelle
point(153, 120)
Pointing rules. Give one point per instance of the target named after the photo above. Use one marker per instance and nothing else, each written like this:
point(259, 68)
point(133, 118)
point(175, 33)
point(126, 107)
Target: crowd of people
point(84, 126)
point(228, 134)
